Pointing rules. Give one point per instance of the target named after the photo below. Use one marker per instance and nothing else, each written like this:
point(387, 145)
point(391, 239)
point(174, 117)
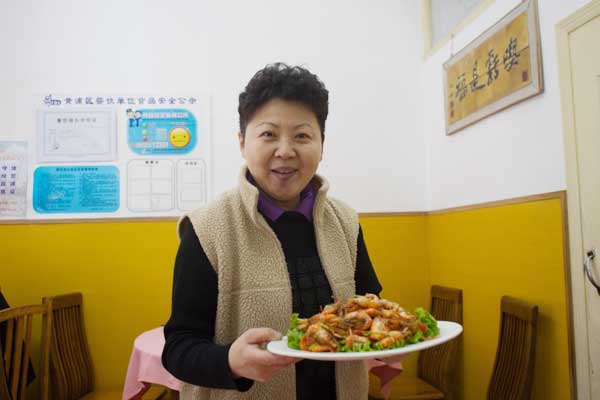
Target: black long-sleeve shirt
point(190, 353)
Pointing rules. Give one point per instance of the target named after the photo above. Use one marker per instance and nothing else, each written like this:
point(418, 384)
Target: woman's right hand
point(248, 359)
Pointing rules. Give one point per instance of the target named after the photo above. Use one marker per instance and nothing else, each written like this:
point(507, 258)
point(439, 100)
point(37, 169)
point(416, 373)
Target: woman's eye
point(267, 134)
point(302, 136)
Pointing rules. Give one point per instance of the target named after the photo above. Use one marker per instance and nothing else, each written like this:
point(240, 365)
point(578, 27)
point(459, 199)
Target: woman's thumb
point(261, 335)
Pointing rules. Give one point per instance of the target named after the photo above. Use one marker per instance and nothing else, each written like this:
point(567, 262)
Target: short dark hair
point(286, 82)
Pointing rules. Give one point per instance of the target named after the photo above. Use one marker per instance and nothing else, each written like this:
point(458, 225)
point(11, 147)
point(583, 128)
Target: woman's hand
point(248, 359)
point(394, 361)
point(386, 369)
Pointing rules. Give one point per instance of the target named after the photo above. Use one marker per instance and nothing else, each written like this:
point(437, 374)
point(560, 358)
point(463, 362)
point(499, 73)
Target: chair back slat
point(18, 349)
point(26, 351)
point(437, 366)
point(61, 334)
point(4, 390)
point(10, 328)
point(15, 366)
point(57, 374)
point(76, 384)
point(512, 376)
point(84, 354)
point(71, 367)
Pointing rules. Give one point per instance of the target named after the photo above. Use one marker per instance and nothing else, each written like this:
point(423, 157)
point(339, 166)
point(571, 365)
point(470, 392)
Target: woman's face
point(282, 147)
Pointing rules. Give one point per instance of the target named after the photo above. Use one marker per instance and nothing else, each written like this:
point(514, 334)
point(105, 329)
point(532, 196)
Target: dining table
point(145, 366)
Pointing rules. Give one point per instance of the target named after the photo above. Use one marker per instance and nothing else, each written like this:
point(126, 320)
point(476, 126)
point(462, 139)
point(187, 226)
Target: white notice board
point(111, 156)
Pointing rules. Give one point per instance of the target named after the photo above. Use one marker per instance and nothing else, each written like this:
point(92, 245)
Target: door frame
point(580, 367)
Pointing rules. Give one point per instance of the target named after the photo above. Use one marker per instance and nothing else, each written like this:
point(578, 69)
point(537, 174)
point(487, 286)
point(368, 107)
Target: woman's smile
point(284, 173)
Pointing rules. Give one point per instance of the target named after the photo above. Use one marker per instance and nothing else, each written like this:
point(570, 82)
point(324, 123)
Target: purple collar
point(273, 211)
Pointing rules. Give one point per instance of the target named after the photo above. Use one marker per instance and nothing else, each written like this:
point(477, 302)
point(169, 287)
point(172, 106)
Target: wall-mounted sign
point(499, 68)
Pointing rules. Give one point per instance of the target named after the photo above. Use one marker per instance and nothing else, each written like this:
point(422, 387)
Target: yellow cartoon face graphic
point(179, 137)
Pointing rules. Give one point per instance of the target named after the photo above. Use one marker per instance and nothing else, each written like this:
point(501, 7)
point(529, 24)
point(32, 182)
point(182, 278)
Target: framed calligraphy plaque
point(499, 68)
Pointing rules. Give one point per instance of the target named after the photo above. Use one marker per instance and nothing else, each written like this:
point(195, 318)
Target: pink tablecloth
point(145, 366)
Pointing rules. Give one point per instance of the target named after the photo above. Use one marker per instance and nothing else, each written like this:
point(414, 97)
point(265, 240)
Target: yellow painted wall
point(124, 271)
point(511, 250)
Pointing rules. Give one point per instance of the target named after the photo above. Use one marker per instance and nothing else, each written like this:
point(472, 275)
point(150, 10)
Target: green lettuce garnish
point(426, 318)
point(294, 335)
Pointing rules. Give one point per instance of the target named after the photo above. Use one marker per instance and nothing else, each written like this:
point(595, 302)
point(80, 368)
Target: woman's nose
point(285, 149)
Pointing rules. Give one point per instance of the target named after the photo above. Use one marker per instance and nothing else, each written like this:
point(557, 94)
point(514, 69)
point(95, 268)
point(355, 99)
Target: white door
point(582, 147)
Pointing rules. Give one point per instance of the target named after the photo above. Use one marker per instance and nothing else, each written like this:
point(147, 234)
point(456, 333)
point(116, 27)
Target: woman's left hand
point(386, 369)
point(394, 361)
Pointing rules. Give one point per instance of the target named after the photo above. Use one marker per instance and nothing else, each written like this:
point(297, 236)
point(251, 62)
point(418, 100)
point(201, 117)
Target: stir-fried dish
point(362, 323)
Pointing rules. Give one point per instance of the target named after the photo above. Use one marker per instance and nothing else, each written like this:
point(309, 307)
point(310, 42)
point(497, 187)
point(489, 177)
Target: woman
point(274, 245)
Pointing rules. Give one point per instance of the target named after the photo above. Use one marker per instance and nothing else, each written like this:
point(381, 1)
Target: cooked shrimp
point(332, 322)
point(401, 320)
point(369, 301)
point(379, 329)
point(373, 312)
point(389, 305)
point(391, 338)
point(380, 325)
point(331, 308)
point(390, 314)
point(328, 319)
point(350, 306)
point(319, 339)
point(352, 339)
point(359, 320)
point(302, 324)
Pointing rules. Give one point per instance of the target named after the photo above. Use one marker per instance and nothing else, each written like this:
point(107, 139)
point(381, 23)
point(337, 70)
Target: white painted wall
point(516, 152)
point(366, 52)
point(385, 147)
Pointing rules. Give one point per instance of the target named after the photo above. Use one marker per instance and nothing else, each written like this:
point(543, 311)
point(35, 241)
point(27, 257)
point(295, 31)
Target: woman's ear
point(322, 148)
point(242, 143)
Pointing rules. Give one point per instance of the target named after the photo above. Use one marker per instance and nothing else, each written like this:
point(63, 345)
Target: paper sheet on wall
point(13, 179)
point(77, 135)
point(150, 185)
point(76, 189)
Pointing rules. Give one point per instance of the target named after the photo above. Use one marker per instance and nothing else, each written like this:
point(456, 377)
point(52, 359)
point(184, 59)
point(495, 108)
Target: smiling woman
point(283, 147)
point(276, 244)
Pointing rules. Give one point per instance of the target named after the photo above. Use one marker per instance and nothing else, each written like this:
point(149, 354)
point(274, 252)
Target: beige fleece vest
point(253, 280)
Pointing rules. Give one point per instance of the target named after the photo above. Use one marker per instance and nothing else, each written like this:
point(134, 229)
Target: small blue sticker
point(161, 131)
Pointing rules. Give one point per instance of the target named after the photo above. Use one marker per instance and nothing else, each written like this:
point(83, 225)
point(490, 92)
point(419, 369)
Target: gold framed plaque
point(501, 67)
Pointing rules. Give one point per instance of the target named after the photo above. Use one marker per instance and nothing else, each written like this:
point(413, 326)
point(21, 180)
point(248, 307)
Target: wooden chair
point(71, 368)
point(437, 370)
point(19, 330)
point(512, 376)
point(4, 390)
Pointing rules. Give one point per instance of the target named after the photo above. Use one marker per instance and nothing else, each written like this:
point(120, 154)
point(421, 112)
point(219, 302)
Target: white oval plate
point(448, 330)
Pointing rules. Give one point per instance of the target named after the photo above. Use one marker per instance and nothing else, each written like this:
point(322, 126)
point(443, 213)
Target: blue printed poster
point(165, 131)
point(76, 189)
